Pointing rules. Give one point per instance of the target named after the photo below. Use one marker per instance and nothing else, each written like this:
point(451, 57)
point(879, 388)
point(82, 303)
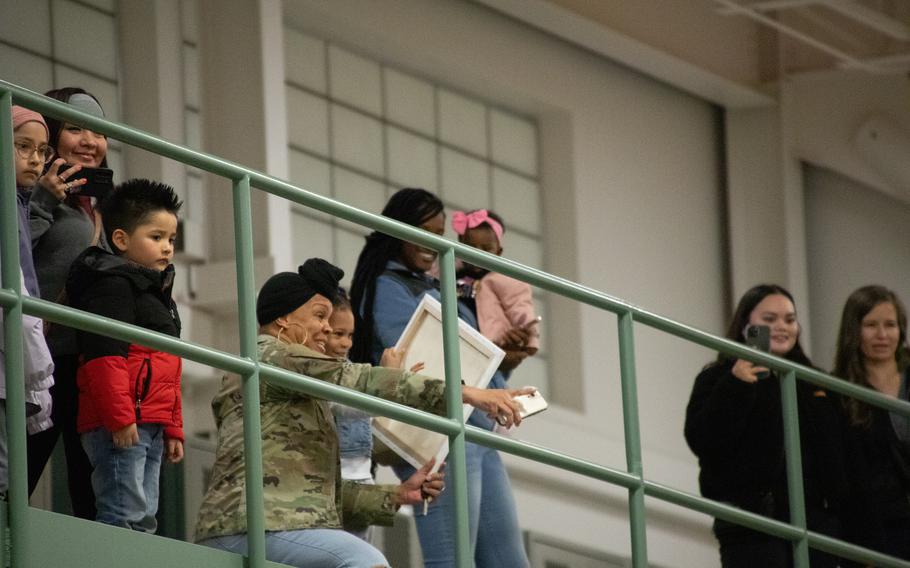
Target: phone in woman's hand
point(759, 337)
point(100, 181)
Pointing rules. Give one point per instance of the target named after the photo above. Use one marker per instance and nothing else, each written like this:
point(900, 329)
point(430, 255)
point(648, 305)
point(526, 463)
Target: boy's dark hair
point(132, 202)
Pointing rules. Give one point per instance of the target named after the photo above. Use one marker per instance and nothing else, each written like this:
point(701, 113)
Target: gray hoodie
point(60, 232)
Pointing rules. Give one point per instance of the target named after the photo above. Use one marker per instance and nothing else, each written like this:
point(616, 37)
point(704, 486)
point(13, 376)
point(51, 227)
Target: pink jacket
point(503, 303)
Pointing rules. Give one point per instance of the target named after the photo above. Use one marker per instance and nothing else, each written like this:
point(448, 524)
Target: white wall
point(815, 122)
point(854, 236)
point(643, 178)
point(819, 116)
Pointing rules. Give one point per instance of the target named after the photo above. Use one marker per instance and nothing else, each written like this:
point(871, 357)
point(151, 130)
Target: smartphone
point(100, 181)
point(759, 337)
point(530, 404)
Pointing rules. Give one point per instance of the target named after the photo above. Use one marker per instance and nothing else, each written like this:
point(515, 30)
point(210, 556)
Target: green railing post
point(794, 466)
point(12, 334)
point(457, 477)
point(633, 440)
point(252, 427)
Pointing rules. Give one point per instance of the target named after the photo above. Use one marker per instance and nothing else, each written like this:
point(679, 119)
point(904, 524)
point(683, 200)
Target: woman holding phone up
point(734, 425)
point(64, 223)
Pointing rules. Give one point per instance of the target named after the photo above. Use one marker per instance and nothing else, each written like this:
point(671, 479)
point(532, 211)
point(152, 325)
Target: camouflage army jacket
point(302, 482)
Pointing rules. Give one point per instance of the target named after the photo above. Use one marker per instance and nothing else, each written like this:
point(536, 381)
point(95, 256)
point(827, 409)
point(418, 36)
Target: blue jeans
point(125, 480)
point(308, 548)
point(493, 523)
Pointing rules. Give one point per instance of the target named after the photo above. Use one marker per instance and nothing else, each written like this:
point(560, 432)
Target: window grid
point(387, 122)
point(58, 68)
point(324, 230)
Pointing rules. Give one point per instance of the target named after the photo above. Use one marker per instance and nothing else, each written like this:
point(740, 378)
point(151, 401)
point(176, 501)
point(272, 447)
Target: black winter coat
point(736, 430)
point(877, 515)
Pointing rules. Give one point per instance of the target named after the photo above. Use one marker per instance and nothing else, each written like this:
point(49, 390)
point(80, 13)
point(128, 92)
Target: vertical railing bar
point(632, 439)
point(11, 279)
point(794, 466)
point(456, 466)
point(252, 427)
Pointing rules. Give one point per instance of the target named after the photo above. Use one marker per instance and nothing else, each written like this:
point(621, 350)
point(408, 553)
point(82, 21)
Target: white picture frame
point(422, 342)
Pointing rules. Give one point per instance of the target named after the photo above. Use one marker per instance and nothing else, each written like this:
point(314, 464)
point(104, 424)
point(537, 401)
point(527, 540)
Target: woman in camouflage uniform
point(306, 502)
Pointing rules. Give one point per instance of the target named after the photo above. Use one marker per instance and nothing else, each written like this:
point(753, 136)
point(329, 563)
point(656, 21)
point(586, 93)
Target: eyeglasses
point(25, 151)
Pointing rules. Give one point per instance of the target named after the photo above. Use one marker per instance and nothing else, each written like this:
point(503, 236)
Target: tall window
point(359, 130)
point(46, 44)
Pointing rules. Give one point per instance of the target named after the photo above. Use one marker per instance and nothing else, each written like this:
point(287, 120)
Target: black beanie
point(286, 291)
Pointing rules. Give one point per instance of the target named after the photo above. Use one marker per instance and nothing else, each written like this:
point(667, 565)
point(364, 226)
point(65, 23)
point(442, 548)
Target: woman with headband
point(63, 224)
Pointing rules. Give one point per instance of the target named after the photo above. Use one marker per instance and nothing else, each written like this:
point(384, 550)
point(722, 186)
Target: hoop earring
point(305, 337)
point(280, 329)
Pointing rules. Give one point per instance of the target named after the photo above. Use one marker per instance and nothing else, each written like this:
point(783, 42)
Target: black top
point(736, 430)
point(109, 285)
point(879, 470)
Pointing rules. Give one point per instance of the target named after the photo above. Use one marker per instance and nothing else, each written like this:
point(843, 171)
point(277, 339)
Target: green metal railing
point(27, 524)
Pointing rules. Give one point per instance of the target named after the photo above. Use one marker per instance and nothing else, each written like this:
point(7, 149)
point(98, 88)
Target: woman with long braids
point(872, 352)
point(389, 282)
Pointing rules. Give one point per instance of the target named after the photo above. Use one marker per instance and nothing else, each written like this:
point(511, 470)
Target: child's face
point(342, 336)
point(151, 244)
point(482, 238)
point(28, 137)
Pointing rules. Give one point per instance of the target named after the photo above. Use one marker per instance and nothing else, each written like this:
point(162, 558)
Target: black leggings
point(65, 395)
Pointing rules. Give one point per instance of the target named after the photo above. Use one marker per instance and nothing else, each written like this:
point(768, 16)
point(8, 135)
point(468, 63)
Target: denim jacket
point(355, 437)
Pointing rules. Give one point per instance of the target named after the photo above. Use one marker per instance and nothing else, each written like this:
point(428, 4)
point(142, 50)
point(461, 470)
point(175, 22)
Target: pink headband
point(462, 221)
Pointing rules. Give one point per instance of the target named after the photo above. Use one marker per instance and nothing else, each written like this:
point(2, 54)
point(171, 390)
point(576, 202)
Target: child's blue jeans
point(125, 480)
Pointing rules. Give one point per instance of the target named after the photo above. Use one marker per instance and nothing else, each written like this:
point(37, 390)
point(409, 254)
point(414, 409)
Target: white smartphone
point(530, 404)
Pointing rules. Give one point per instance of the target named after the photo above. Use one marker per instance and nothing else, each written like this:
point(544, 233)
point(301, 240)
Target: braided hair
point(411, 206)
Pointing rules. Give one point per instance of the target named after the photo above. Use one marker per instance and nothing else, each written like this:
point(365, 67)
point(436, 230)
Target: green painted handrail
point(248, 367)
